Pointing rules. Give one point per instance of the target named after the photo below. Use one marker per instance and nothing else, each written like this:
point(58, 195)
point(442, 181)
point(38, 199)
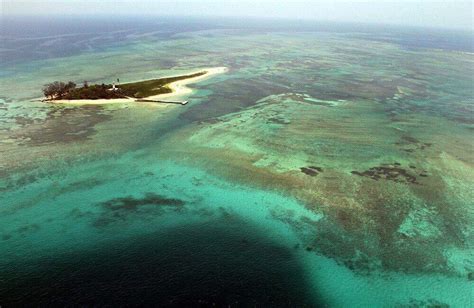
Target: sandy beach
point(178, 88)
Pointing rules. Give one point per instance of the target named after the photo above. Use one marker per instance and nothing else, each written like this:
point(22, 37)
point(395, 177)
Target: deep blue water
point(37, 38)
point(176, 267)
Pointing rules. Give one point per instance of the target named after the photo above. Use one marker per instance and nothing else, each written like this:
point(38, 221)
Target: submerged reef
point(391, 173)
point(133, 204)
point(120, 209)
point(61, 125)
point(399, 216)
point(368, 144)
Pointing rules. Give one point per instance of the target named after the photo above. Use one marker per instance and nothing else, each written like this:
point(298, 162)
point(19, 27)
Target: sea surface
point(331, 166)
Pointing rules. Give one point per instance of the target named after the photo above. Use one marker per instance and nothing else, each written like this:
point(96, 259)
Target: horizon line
point(232, 17)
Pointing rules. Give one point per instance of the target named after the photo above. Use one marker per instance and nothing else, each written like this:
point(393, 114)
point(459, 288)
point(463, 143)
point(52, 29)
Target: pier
point(162, 102)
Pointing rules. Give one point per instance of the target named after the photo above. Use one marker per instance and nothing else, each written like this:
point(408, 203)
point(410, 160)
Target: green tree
point(57, 89)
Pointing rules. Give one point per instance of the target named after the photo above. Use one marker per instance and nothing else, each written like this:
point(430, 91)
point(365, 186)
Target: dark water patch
point(132, 204)
point(278, 120)
point(425, 145)
point(410, 144)
point(18, 181)
point(197, 181)
point(121, 209)
point(428, 303)
point(360, 263)
point(390, 173)
point(217, 263)
point(85, 184)
point(311, 170)
point(410, 139)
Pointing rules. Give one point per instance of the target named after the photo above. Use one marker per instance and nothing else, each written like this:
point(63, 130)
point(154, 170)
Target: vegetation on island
point(61, 90)
point(58, 89)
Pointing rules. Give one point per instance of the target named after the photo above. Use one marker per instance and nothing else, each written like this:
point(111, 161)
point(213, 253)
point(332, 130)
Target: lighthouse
point(114, 88)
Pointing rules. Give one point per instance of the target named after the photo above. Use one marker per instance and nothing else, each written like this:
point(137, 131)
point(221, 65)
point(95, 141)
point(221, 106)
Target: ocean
point(331, 166)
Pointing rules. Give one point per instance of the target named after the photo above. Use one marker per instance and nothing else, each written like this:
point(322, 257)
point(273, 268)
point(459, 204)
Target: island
point(152, 90)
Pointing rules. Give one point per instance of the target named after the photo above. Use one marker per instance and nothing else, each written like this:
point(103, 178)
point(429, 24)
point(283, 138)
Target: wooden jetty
point(162, 102)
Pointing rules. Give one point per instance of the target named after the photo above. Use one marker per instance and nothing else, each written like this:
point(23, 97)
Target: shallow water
point(325, 168)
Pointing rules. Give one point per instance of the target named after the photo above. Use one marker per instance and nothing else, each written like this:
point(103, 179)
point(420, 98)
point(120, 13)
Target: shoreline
point(178, 88)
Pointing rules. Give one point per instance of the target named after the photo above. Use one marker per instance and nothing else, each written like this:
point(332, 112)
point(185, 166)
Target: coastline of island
point(175, 89)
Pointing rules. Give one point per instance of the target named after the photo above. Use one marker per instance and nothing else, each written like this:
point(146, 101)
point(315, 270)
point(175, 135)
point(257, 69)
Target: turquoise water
point(213, 202)
point(69, 218)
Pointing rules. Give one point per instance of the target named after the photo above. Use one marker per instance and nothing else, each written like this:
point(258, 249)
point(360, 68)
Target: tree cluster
point(94, 91)
point(57, 89)
point(62, 90)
